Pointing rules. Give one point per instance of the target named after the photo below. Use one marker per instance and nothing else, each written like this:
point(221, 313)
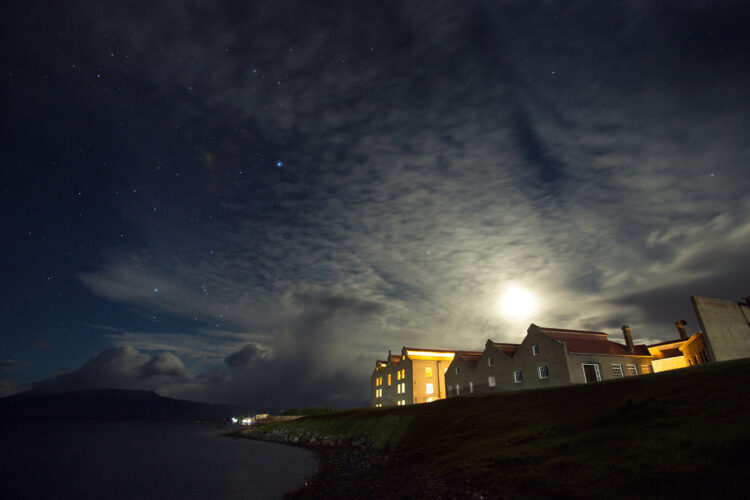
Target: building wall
point(605, 362)
point(463, 377)
point(726, 327)
point(695, 350)
point(551, 354)
point(501, 370)
point(666, 364)
point(420, 379)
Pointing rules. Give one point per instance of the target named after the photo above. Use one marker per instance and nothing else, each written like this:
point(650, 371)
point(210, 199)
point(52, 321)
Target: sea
point(143, 460)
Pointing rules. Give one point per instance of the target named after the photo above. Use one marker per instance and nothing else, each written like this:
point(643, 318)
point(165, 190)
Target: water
point(143, 460)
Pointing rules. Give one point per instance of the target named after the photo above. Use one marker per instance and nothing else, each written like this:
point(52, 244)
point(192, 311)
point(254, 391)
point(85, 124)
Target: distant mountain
point(110, 404)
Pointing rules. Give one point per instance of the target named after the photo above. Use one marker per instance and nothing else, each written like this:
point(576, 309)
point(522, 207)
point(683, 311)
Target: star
point(279, 164)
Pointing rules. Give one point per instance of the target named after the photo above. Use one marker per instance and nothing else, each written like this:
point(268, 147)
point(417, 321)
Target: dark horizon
point(253, 202)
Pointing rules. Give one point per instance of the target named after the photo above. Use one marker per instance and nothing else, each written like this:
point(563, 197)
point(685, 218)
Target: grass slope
point(680, 434)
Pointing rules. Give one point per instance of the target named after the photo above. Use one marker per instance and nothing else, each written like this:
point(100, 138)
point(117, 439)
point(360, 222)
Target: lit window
point(518, 376)
point(428, 389)
point(535, 350)
point(428, 371)
point(543, 371)
point(645, 369)
point(379, 393)
point(471, 387)
point(378, 405)
point(458, 370)
point(450, 388)
point(617, 371)
point(389, 379)
point(490, 362)
point(491, 381)
point(458, 390)
point(632, 370)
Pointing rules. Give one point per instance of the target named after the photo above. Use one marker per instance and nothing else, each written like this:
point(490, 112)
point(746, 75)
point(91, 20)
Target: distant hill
point(110, 404)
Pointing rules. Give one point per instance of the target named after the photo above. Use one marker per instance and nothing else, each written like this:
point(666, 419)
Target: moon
point(517, 302)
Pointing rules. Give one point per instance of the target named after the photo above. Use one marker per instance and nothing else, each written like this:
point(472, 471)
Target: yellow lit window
point(389, 379)
point(428, 371)
point(429, 389)
point(403, 373)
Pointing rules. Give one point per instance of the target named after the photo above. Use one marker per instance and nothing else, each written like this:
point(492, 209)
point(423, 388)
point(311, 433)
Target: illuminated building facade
point(679, 353)
point(416, 376)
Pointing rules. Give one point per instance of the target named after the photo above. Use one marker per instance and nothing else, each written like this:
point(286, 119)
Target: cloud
point(432, 155)
point(120, 367)
point(9, 364)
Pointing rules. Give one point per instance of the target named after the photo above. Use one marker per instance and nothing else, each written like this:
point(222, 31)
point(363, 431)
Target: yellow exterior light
point(430, 355)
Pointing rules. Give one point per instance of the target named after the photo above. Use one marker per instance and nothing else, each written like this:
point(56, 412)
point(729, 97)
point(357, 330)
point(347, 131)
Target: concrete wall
point(726, 327)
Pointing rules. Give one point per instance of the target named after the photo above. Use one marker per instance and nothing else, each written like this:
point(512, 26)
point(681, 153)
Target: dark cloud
point(9, 364)
point(246, 355)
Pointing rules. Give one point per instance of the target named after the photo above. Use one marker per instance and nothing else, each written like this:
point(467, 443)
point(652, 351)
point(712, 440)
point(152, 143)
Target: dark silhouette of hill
point(110, 404)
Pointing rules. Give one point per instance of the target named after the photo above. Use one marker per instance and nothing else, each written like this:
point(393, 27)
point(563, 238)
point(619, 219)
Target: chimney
point(389, 355)
point(682, 328)
point(628, 338)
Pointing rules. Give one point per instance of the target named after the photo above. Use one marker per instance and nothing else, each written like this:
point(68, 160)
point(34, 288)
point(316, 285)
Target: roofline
point(430, 349)
point(627, 354)
point(567, 330)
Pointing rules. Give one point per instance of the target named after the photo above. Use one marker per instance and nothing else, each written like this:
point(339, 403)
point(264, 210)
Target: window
point(518, 376)
point(591, 372)
point(389, 379)
point(401, 388)
point(617, 371)
point(458, 370)
point(543, 371)
point(490, 362)
point(379, 393)
point(458, 390)
point(491, 381)
point(428, 388)
point(645, 369)
point(450, 388)
point(471, 387)
point(378, 405)
point(403, 374)
point(535, 350)
point(632, 370)
point(428, 371)
point(401, 402)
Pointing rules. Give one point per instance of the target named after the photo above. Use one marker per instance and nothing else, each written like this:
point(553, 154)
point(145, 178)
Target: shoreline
point(358, 470)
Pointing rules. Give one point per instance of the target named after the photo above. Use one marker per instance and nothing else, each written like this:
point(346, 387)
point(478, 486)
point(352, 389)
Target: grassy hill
point(678, 434)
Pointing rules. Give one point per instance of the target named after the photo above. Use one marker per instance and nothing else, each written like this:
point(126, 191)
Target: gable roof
point(588, 342)
point(470, 357)
point(508, 349)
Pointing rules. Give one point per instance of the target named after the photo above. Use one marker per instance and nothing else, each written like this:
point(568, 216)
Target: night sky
point(251, 202)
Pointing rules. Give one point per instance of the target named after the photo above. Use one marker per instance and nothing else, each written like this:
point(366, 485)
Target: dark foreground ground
point(681, 434)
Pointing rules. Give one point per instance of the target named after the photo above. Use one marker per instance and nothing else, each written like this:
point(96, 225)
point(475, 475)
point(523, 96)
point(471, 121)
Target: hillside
point(109, 404)
point(677, 434)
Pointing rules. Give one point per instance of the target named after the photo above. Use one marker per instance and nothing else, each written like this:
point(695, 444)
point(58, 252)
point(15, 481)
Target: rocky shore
point(356, 468)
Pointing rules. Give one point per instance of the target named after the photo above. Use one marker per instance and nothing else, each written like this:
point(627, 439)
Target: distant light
point(234, 420)
point(279, 164)
point(156, 290)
